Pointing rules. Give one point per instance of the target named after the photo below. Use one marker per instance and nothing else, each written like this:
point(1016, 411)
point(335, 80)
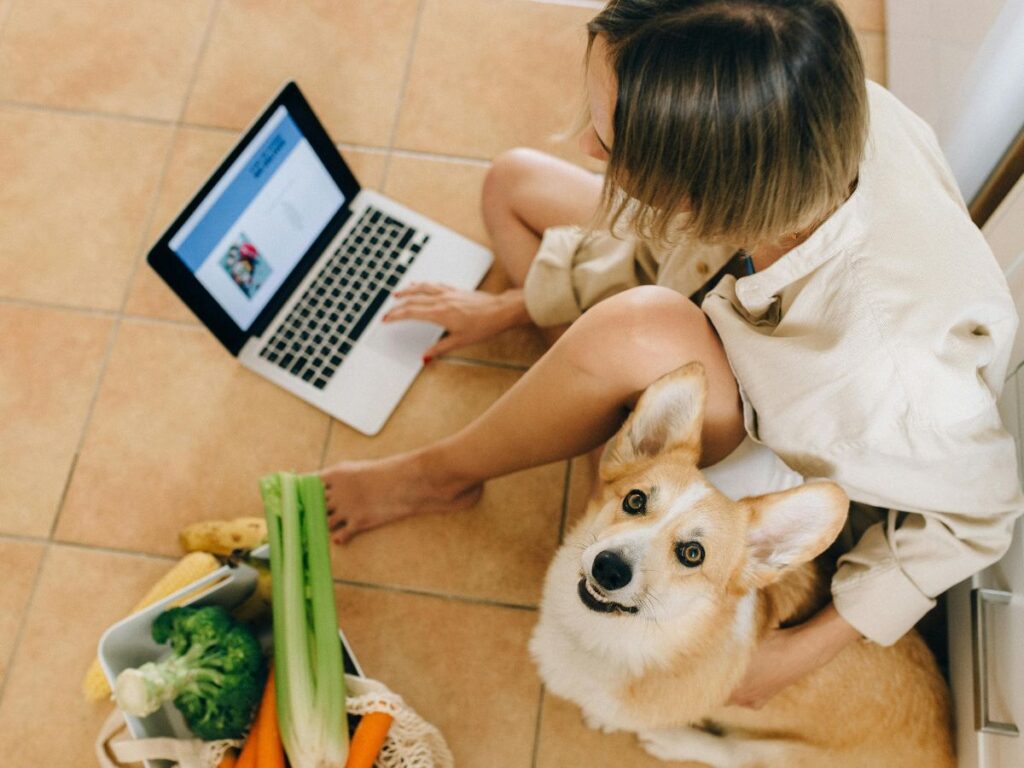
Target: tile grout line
point(566, 492)
point(117, 551)
point(13, 657)
point(76, 112)
point(28, 539)
point(436, 156)
point(536, 727)
point(95, 548)
point(14, 301)
point(368, 148)
point(100, 375)
point(71, 471)
point(211, 22)
point(112, 314)
point(413, 40)
point(327, 440)
point(192, 325)
point(449, 597)
point(164, 171)
point(115, 331)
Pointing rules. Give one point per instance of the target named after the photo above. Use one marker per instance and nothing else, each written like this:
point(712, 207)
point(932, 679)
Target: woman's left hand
point(786, 655)
point(777, 662)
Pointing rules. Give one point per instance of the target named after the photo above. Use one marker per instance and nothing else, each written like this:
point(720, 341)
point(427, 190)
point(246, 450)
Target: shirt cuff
point(883, 605)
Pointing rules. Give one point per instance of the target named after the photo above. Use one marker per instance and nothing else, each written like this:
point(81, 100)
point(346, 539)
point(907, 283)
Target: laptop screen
point(248, 234)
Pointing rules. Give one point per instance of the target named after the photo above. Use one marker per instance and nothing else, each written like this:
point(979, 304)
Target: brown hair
point(750, 113)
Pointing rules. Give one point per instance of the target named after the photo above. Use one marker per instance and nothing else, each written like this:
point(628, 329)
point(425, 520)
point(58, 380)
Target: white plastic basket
point(129, 643)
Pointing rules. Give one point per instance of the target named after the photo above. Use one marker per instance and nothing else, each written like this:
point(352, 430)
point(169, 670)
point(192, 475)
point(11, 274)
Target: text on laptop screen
point(259, 220)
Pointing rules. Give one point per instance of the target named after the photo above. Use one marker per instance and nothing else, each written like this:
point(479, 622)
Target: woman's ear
point(668, 417)
point(791, 527)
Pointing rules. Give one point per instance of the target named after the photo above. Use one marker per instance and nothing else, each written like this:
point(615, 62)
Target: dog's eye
point(635, 503)
point(690, 553)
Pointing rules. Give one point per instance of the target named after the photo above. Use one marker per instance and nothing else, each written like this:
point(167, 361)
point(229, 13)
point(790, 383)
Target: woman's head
point(751, 115)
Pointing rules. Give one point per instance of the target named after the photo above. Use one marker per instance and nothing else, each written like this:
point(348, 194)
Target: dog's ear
point(791, 527)
point(668, 416)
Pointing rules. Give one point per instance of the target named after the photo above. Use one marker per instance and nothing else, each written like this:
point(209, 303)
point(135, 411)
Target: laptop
point(291, 265)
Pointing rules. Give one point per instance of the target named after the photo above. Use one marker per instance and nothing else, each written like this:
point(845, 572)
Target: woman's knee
point(651, 317)
point(639, 335)
point(508, 174)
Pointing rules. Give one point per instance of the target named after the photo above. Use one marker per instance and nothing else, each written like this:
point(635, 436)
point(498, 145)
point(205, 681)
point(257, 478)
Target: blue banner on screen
point(259, 220)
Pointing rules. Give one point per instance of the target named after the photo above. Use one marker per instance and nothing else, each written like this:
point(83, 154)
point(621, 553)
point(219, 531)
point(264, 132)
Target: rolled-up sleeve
point(892, 576)
point(573, 270)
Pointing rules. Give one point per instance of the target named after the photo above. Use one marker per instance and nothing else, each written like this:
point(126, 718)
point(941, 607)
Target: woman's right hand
point(467, 316)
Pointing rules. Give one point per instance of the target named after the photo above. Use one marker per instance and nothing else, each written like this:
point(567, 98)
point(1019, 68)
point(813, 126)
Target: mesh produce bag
point(411, 742)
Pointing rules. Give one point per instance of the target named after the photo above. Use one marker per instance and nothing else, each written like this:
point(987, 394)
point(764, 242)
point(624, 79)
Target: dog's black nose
point(611, 571)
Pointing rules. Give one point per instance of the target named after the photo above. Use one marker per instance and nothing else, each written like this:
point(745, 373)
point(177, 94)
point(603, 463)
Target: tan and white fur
point(661, 646)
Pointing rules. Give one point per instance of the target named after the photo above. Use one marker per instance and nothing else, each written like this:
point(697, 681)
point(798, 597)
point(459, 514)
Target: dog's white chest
point(575, 674)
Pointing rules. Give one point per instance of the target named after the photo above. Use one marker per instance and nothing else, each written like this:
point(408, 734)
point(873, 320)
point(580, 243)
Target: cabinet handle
point(981, 722)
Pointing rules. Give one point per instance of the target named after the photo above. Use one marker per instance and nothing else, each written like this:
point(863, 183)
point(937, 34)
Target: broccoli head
point(215, 675)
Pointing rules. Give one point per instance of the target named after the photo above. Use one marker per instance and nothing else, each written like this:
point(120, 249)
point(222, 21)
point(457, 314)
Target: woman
point(868, 346)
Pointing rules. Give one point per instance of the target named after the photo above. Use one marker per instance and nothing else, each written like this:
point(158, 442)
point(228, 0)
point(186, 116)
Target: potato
point(222, 537)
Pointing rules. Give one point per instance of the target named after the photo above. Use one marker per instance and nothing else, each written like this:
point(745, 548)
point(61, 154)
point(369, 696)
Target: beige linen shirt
point(872, 355)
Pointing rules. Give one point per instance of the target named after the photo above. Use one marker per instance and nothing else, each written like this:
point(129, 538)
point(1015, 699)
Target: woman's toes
point(343, 534)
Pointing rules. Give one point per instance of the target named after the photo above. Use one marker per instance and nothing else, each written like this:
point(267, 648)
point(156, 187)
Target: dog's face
point(661, 553)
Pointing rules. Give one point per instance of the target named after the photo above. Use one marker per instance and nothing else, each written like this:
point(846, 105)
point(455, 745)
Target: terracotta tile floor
point(107, 447)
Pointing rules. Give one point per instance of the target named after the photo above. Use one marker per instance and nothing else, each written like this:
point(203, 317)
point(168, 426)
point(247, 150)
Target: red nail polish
point(427, 359)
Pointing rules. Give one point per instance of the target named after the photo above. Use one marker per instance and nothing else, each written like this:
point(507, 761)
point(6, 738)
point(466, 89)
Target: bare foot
point(366, 494)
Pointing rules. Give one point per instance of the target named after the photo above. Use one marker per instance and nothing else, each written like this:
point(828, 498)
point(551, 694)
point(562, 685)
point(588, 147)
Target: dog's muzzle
point(610, 571)
point(598, 604)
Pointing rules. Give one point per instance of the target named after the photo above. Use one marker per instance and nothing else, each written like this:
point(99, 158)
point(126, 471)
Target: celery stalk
point(329, 668)
point(307, 651)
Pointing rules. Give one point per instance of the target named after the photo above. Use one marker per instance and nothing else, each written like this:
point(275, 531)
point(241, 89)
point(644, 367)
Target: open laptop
point(291, 264)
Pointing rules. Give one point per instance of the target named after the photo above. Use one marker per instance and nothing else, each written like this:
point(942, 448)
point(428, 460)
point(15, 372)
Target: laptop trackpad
point(403, 340)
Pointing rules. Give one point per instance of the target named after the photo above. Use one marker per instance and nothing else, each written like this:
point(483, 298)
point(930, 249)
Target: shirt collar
point(839, 232)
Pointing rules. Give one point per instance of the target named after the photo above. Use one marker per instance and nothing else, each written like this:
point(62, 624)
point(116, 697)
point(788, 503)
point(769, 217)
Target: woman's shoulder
point(919, 261)
point(932, 331)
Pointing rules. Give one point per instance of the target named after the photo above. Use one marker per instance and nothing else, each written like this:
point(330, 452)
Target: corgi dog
point(654, 605)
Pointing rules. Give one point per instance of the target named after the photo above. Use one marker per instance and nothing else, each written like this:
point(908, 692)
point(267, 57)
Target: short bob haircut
point(751, 114)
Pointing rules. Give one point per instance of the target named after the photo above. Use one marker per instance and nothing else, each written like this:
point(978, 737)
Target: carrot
point(368, 739)
point(229, 760)
point(269, 748)
point(248, 757)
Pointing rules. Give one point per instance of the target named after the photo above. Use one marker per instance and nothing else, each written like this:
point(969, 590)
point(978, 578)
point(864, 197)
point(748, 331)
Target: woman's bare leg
point(570, 402)
point(526, 192)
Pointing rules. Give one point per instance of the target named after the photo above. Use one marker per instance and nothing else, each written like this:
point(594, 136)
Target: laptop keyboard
point(321, 329)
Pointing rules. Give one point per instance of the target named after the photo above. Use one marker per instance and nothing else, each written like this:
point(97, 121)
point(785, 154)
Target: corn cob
point(189, 569)
point(257, 606)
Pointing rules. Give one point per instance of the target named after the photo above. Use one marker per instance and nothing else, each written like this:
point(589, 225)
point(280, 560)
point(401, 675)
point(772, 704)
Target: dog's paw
point(594, 723)
point(657, 745)
point(685, 744)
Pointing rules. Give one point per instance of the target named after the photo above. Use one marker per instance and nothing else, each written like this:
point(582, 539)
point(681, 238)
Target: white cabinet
point(958, 64)
point(986, 612)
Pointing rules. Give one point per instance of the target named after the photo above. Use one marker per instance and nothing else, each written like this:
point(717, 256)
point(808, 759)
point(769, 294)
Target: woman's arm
point(786, 655)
